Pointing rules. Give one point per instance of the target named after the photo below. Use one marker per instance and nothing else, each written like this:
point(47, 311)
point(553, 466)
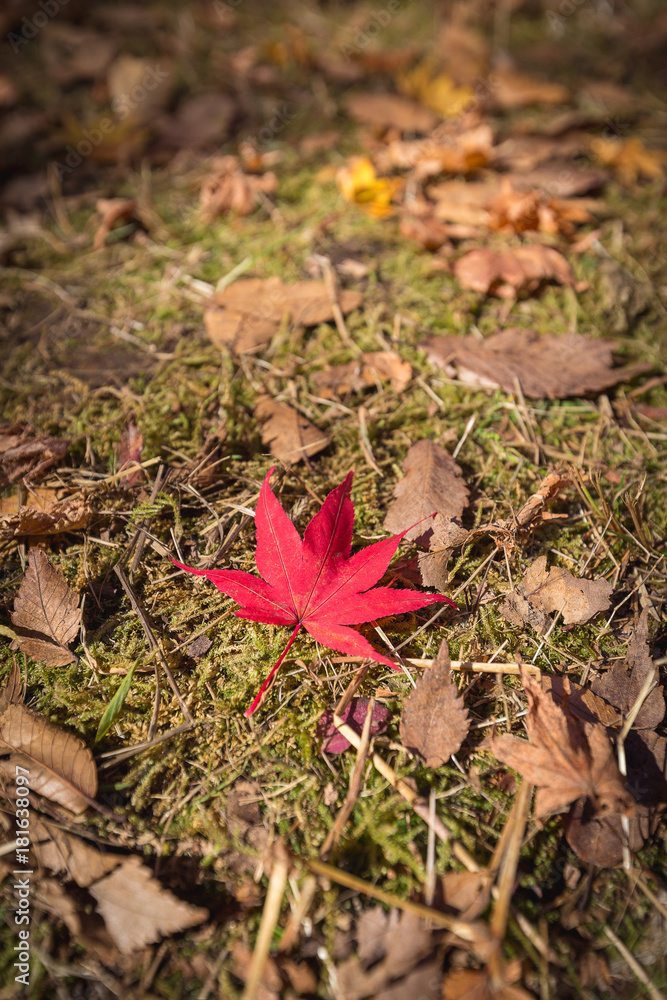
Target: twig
point(365, 441)
point(633, 964)
point(650, 682)
point(270, 914)
point(355, 786)
point(516, 824)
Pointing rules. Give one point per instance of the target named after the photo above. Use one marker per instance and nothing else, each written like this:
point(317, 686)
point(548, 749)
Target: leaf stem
point(268, 680)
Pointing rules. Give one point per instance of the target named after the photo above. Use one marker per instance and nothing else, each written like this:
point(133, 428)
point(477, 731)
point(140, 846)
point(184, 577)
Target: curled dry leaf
point(42, 516)
point(137, 910)
point(46, 613)
point(512, 272)
point(290, 436)
point(61, 767)
point(246, 314)
point(230, 189)
point(556, 589)
point(24, 456)
point(545, 367)
point(432, 484)
point(566, 759)
point(434, 720)
point(370, 369)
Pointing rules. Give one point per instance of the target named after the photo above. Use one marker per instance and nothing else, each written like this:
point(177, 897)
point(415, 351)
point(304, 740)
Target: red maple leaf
point(315, 582)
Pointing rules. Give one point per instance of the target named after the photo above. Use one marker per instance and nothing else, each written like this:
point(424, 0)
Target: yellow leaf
point(630, 159)
point(358, 182)
point(436, 91)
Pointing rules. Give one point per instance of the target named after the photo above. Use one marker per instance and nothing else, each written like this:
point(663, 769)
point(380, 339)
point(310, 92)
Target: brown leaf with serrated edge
point(556, 589)
point(43, 515)
point(24, 456)
point(289, 435)
point(565, 758)
point(621, 685)
point(60, 766)
point(545, 367)
point(68, 855)
point(138, 910)
point(432, 484)
point(46, 614)
point(434, 720)
point(245, 315)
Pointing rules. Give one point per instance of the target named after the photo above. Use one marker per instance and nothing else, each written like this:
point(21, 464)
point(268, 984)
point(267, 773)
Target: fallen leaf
point(200, 122)
point(390, 111)
point(371, 368)
point(598, 840)
point(556, 589)
point(511, 272)
point(432, 484)
point(436, 91)
point(621, 685)
point(137, 910)
point(46, 614)
point(477, 984)
point(131, 448)
point(270, 984)
point(315, 582)
point(580, 700)
point(112, 210)
point(24, 456)
point(69, 856)
point(565, 758)
point(247, 314)
point(460, 148)
point(630, 159)
point(42, 516)
point(468, 893)
point(518, 610)
point(354, 715)
point(434, 721)
point(358, 182)
point(584, 365)
point(229, 189)
point(155, 84)
point(288, 434)
point(448, 535)
point(61, 767)
point(523, 211)
point(72, 53)
point(511, 89)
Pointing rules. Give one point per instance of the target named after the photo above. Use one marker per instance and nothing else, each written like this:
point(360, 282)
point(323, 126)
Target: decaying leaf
point(621, 685)
point(630, 159)
point(43, 515)
point(512, 89)
point(61, 767)
point(448, 535)
point(518, 610)
point(436, 91)
point(46, 613)
point(24, 456)
point(477, 984)
point(70, 856)
point(461, 147)
point(565, 758)
point(599, 840)
point(370, 369)
point(200, 122)
point(434, 720)
point(394, 949)
point(290, 436)
point(358, 182)
point(512, 272)
point(556, 589)
point(390, 111)
point(246, 314)
point(229, 189)
point(467, 892)
point(354, 716)
point(138, 910)
point(546, 367)
point(432, 485)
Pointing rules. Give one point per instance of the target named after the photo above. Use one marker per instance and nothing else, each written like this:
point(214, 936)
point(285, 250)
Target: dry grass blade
point(270, 915)
point(46, 614)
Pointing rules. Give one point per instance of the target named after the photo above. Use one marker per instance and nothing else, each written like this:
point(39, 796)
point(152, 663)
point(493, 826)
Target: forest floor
point(474, 194)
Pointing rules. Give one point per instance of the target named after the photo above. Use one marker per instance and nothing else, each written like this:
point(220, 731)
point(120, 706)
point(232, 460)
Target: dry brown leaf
point(511, 272)
point(127, 73)
point(529, 210)
point(42, 516)
point(432, 484)
point(69, 856)
point(467, 892)
point(24, 456)
point(289, 435)
point(599, 840)
point(630, 159)
point(72, 53)
point(476, 984)
point(448, 535)
point(456, 150)
point(581, 701)
point(556, 589)
point(200, 122)
point(565, 758)
point(390, 111)
point(434, 720)
point(246, 315)
point(512, 89)
point(518, 610)
point(229, 189)
point(112, 210)
point(138, 910)
point(46, 613)
point(536, 506)
point(60, 765)
point(583, 365)
point(621, 685)
point(371, 368)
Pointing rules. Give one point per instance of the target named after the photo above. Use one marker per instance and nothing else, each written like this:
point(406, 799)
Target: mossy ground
point(69, 374)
